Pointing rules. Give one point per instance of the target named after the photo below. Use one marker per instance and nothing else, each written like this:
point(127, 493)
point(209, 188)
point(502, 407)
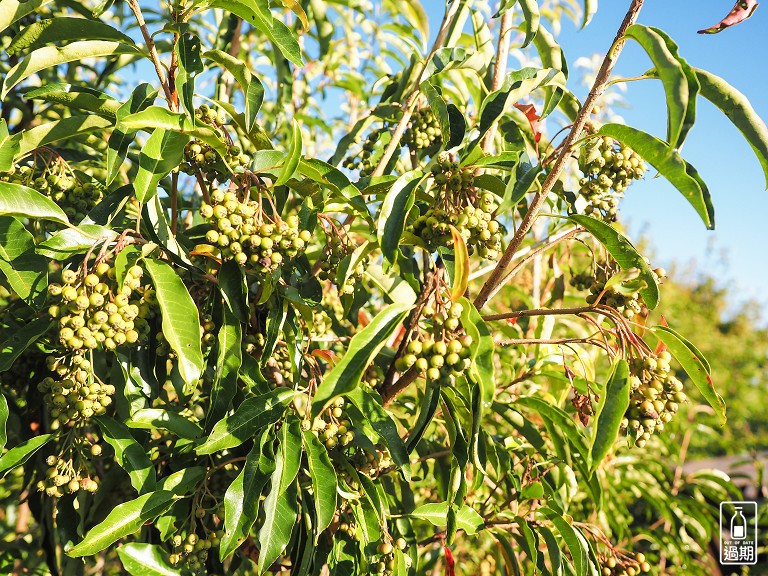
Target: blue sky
point(736, 249)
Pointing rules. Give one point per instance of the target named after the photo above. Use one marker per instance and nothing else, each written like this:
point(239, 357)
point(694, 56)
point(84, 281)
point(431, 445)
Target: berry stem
point(581, 119)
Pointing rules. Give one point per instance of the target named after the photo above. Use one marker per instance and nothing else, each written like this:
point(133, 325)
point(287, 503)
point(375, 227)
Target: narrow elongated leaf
point(50, 132)
point(460, 265)
point(742, 10)
point(16, 341)
point(162, 153)
point(122, 521)
point(590, 9)
point(690, 359)
point(159, 419)
point(253, 89)
point(370, 406)
point(293, 157)
point(64, 29)
point(229, 358)
point(394, 209)
point(141, 97)
point(439, 108)
point(610, 411)
point(70, 241)
point(77, 98)
point(560, 418)
point(739, 110)
point(670, 164)
point(680, 94)
point(532, 19)
point(141, 559)
point(181, 325)
point(324, 482)
point(14, 10)
point(250, 416)
point(625, 254)
point(20, 201)
point(576, 546)
point(279, 518)
point(129, 454)
point(3, 421)
point(290, 450)
point(481, 371)
point(437, 515)
point(9, 147)
point(190, 65)
point(345, 376)
point(50, 56)
point(19, 454)
point(184, 481)
point(241, 501)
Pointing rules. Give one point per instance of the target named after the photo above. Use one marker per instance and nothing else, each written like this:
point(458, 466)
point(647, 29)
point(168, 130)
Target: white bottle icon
point(738, 525)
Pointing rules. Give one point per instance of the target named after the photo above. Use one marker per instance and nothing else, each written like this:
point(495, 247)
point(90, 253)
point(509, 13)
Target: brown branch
point(549, 183)
point(134, 6)
point(392, 391)
point(402, 125)
point(499, 70)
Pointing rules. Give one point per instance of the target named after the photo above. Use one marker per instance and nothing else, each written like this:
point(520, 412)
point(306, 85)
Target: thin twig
point(134, 6)
point(549, 183)
point(499, 70)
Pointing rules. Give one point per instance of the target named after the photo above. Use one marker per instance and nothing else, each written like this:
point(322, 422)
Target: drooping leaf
point(279, 518)
point(20, 453)
point(481, 371)
point(324, 482)
point(363, 347)
point(122, 521)
point(129, 454)
point(16, 341)
point(190, 65)
point(9, 147)
point(609, 413)
point(739, 110)
point(163, 152)
point(250, 416)
point(229, 357)
point(467, 518)
point(293, 157)
point(50, 132)
point(181, 324)
point(696, 369)
point(625, 254)
point(742, 10)
point(14, 10)
point(394, 209)
point(460, 265)
point(50, 56)
point(64, 29)
point(576, 546)
point(140, 559)
point(159, 419)
point(532, 19)
point(439, 108)
point(670, 164)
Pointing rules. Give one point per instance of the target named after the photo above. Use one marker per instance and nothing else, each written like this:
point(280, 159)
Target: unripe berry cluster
point(200, 155)
point(459, 204)
point(94, 312)
point(440, 351)
point(278, 369)
point(192, 550)
point(384, 561)
point(243, 232)
point(335, 251)
point(609, 168)
point(423, 130)
point(364, 160)
point(331, 428)
point(77, 394)
point(62, 477)
point(370, 464)
point(655, 397)
point(613, 566)
point(624, 297)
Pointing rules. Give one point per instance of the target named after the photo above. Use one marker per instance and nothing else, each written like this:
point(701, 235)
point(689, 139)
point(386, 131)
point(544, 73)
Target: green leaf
point(397, 203)
point(445, 59)
point(250, 416)
point(610, 411)
point(253, 89)
point(625, 254)
point(119, 141)
point(15, 239)
point(241, 501)
point(46, 134)
point(229, 358)
point(670, 164)
point(481, 371)
point(369, 405)
point(293, 157)
point(163, 152)
point(159, 419)
point(19, 454)
point(532, 19)
point(190, 65)
point(184, 481)
point(181, 325)
point(590, 9)
point(460, 265)
point(694, 365)
point(76, 97)
point(64, 29)
point(324, 482)
point(70, 241)
point(3, 421)
point(18, 340)
point(9, 147)
point(20, 201)
point(576, 545)
point(50, 56)
point(122, 521)
point(290, 450)
point(739, 110)
point(437, 514)
point(14, 10)
point(28, 276)
point(439, 108)
point(141, 559)
point(560, 418)
point(363, 347)
point(279, 518)
point(675, 75)
point(129, 454)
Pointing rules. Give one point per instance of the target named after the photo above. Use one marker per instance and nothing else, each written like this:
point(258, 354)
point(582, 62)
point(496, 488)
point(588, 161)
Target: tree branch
point(549, 183)
point(499, 70)
point(136, 9)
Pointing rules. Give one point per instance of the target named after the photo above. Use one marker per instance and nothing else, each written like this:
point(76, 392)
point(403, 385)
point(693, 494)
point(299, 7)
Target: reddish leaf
point(533, 118)
point(326, 355)
point(660, 347)
point(741, 11)
point(363, 319)
point(449, 563)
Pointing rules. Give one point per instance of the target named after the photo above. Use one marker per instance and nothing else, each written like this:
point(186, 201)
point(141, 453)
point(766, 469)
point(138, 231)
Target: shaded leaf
point(609, 413)
point(397, 203)
point(20, 453)
point(460, 265)
point(129, 454)
point(64, 29)
point(141, 559)
point(159, 419)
